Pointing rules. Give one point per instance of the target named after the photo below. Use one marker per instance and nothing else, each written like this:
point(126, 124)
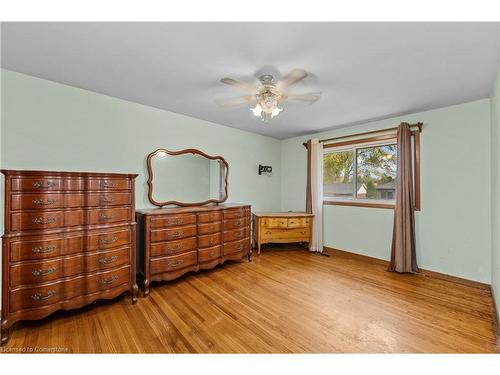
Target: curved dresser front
point(69, 240)
point(178, 240)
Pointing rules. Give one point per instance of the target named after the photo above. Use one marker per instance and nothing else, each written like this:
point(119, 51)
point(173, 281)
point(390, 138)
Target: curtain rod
point(418, 125)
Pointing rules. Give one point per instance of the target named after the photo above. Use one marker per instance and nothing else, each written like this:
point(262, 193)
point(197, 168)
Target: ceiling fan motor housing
point(266, 79)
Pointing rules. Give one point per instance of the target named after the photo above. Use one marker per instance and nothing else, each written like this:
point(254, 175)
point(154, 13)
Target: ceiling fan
point(268, 95)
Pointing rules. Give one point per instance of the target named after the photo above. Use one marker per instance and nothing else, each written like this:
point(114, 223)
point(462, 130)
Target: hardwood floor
point(285, 301)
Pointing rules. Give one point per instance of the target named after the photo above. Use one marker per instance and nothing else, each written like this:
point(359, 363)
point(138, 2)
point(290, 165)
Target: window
point(376, 172)
point(338, 174)
point(363, 172)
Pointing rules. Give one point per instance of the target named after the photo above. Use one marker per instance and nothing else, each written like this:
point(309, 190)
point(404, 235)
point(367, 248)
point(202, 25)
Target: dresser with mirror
point(192, 227)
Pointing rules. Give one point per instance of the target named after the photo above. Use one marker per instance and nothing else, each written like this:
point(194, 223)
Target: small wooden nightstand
point(281, 227)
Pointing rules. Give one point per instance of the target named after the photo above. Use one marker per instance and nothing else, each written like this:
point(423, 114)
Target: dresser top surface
point(11, 172)
point(282, 214)
point(181, 210)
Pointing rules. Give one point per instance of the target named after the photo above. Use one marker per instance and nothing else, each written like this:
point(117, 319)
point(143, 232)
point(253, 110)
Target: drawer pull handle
point(40, 202)
point(104, 241)
point(105, 200)
point(40, 297)
point(174, 221)
point(176, 263)
point(239, 223)
point(176, 247)
point(42, 221)
point(40, 250)
point(42, 272)
point(175, 234)
point(109, 280)
point(108, 217)
point(108, 185)
point(240, 247)
point(212, 253)
point(238, 234)
point(108, 260)
point(41, 185)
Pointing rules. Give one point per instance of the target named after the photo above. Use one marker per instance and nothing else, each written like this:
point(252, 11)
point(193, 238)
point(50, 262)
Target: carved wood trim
point(174, 153)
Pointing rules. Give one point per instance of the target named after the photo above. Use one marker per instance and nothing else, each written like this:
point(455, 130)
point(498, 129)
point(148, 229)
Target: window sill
point(360, 204)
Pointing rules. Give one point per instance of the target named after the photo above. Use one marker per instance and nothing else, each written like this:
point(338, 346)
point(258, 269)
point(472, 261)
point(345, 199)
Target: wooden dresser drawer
point(110, 238)
point(210, 253)
point(236, 246)
point(173, 247)
point(272, 222)
point(69, 218)
point(209, 228)
point(236, 223)
point(235, 213)
point(108, 216)
point(32, 297)
point(173, 263)
point(299, 234)
point(209, 240)
point(107, 199)
point(236, 234)
point(299, 222)
point(208, 217)
point(159, 235)
point(173, 220)
point(42, 271)
point(44, 184)
point(43, 247)
point(106, 184)
point(46, 201)
point(46, 220)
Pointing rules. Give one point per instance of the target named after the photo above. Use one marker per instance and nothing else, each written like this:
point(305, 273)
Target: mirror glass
point(186, 178)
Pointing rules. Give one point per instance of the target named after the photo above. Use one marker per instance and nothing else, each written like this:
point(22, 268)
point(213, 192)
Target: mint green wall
point(453, 229)
point(495, 192)
point(46, 125)
point(50, 126)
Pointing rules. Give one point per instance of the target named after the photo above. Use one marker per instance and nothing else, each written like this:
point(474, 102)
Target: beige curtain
point(403, 255)
point(314, 192)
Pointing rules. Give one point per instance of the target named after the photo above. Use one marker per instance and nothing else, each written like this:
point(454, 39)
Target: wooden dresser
point(281, 227)
point(69, 240)
point(179, 240)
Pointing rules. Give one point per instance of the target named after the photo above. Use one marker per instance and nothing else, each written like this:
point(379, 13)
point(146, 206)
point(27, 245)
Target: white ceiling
point(364, 70)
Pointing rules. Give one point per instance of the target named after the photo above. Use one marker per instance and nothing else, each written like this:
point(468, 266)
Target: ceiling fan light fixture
point(257, 110)
point(266, 109)
point(276, 111)
point(269, 94)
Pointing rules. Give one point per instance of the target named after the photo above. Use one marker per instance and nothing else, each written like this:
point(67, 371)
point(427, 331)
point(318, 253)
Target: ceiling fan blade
point(304, 98)
point(293, 77)
point(236, 102)
point(244, 86)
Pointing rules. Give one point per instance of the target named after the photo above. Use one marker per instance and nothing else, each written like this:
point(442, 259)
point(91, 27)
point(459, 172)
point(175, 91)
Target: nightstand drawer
point(275, 222)
point(298, 222)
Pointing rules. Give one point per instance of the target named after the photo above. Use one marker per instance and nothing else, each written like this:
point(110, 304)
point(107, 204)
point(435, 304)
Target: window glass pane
point(338, 174)
point(376, 172)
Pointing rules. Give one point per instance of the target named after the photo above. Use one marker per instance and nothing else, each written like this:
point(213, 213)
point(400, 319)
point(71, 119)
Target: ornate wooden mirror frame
point(174, 153)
